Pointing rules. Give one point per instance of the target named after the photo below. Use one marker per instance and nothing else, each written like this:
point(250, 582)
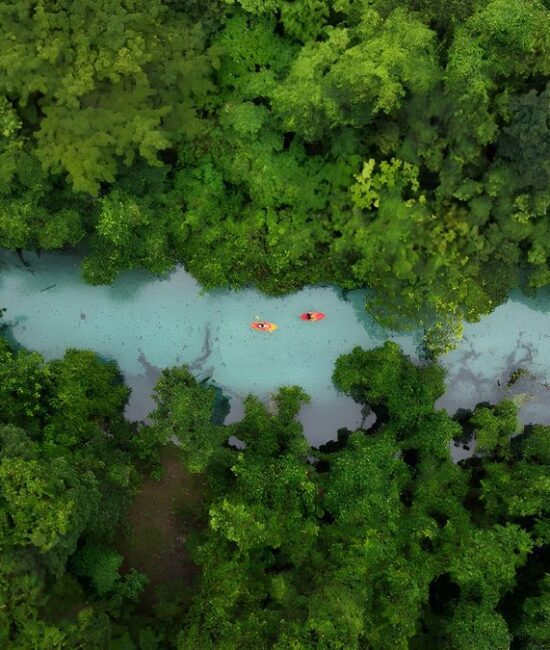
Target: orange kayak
point(312, 315)
point(263, 326)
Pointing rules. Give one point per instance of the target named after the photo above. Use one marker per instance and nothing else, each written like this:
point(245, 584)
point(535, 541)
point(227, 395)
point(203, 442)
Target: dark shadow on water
point(6, 330)
point(129, 283)
point(357, 299)
point(462, 417)
point(141, 401)
point(333, 446)
point(539, 301)
point(236, 407)
point(222, 406)
point(64, 268)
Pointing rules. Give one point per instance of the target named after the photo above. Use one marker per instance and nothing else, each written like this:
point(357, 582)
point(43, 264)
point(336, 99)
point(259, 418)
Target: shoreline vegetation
point(111, 538)
point(397, 145)
point(401, 146)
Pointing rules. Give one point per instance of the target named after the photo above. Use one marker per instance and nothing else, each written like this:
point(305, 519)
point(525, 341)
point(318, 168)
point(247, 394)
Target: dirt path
point(158, 522)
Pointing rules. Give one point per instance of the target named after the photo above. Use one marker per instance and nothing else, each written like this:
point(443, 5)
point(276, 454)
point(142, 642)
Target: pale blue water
point(515, 335)
point(146, 324)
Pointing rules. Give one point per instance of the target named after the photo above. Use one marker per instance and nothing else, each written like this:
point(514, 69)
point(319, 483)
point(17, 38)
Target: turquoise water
point(515, 335)
point(146, 323)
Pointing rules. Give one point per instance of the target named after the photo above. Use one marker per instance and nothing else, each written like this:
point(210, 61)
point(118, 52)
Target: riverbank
point(146, 323)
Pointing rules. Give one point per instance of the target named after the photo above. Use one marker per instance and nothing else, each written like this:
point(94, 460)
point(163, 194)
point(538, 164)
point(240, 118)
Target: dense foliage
point(67, 475)
point(399, 145)
point(377, 541)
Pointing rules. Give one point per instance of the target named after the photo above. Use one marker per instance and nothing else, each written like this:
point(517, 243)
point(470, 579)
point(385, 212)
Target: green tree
point(377, 542)
point(474, 627)
point(494, 426)
point(184, 411)
point(384, 377)
point(24, 382)
point(104, 82)
point(67, 475)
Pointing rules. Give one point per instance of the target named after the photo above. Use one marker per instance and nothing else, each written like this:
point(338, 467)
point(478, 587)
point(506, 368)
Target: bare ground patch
point(157, 527)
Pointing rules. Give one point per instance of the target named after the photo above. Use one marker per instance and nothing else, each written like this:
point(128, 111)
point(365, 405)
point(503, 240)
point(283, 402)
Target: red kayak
point(312, 315)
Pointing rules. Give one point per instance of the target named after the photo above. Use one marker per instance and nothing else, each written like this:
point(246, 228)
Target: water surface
point(146, 323)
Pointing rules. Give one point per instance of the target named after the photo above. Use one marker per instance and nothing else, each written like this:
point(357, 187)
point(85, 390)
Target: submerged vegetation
point(377, 540)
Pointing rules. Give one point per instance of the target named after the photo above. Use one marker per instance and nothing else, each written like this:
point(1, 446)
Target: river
point(146, 323)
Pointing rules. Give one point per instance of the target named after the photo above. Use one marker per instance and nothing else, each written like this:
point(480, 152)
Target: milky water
point(146, 323)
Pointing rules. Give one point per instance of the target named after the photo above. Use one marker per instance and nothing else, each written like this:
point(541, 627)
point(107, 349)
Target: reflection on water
point(146, 323)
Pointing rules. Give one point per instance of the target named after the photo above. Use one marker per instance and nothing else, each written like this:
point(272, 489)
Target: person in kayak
point(312, 315)
point(263, 326)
